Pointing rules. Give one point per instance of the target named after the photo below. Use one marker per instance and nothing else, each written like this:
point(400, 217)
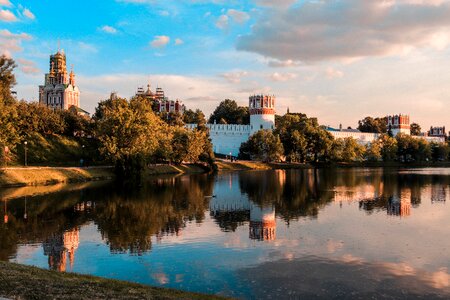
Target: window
point(260, 126)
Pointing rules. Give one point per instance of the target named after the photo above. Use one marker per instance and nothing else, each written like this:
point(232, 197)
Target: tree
point(7, 79)
point(416, 129)
point(264, 146)
point(129, 132)
point(388, 147)
point(352, 150)
point(440, 151)
point(230, 113)
point(373, 125)
point(373, 151)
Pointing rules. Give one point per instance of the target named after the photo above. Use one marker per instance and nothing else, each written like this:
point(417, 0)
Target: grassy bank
point(40, 176)
point(24, 282)
point(10, 177)
point(224, 165)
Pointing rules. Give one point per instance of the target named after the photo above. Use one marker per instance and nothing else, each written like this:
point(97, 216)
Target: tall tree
point(264, 146)
point(415, 129)
point(373, 125)
point(229, 112)
point(7, 78)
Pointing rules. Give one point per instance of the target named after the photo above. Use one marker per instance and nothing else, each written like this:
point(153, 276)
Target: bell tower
point(262, 112)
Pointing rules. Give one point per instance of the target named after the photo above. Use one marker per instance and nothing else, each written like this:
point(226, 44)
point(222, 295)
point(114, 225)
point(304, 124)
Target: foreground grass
point(51, 175)
point(24, 282)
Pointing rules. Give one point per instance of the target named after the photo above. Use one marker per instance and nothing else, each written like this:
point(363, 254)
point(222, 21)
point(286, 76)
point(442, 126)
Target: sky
point(338, 60)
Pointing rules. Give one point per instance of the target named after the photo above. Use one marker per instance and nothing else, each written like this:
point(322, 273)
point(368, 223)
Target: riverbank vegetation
point(24, 282)
point(299, 139)
point(125, 133)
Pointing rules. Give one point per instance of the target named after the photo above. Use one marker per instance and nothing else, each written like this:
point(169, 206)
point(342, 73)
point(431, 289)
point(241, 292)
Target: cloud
point(332, 73)
point(275, 63)
point(5, 3)
point(11, 41)
point(283, 76)
point(179, 42)
point(222, 22)
point(7, 16)
point(87, 47)
point(238, 16)
point(160, 41)
point(234, 77)
point(27, 13)
point(346, 30)
point(28, 66)
point(109, 29)
point(275, 3)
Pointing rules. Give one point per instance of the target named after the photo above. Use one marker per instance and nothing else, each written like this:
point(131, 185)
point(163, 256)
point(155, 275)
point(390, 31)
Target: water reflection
point(172, 230)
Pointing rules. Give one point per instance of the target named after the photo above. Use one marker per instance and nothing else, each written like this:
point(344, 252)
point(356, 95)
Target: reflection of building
point(400, 205)
point(59, 246)
point(262, 223)
point(231, 209)
point(358, 193)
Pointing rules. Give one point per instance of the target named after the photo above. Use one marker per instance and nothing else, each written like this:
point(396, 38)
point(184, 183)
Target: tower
point(262, 112)
point(399, 124)
point(59, 90)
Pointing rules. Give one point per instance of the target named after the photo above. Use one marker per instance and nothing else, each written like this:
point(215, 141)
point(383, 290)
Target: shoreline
point(16, 177)
point(27, 282)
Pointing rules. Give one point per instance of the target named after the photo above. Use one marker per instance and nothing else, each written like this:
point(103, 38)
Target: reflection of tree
point(128, 219)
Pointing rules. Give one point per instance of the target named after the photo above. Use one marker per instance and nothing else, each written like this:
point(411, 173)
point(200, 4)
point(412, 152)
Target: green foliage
point(374, 151)
point(302, 137)
point(264, 146)
point(416, 129)
point(228, 112)
point(388, 147)
point(7, 79)
point(373, 125)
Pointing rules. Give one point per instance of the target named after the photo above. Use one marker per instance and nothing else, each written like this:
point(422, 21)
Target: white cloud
point(222, 22)
point(275, 63)
point(238, 16)
point(5, 3)
point(179, 42)
point(234, 77)
point(160, 41)
point(28, 66)
point(108, 29)
point(87, 47)
point(7, 16)
point(332, 73)
point(345, 30)
point(27, 13)
point(11, 42)
point(283, 76)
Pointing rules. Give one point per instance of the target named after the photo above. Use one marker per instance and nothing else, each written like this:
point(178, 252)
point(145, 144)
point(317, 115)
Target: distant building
point(437, 132)
point(59, 246)
point(363, 138)
point(227, 138)
point(399, 124)
point(59, 90)
point(162, 104)
point(395, 124)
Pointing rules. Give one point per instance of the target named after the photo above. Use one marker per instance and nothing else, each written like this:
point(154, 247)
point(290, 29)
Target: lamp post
point(26, 143)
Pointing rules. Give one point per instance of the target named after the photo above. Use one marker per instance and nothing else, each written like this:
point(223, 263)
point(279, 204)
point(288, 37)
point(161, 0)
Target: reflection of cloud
point(334, 246)
point(161, 278)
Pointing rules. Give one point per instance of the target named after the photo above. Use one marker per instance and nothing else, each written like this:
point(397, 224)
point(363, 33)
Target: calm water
point(278, 234)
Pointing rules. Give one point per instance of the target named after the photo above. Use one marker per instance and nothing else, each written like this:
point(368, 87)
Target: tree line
point(300, 139)
point(127, 133)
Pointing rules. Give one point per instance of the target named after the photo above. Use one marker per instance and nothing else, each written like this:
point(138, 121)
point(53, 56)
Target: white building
point(227, 138)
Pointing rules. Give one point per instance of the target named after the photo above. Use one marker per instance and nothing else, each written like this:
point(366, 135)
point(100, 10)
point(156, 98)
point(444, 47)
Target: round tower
point(262, 112)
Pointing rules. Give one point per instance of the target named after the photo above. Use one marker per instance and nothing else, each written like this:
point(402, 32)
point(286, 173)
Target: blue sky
point(339, 60)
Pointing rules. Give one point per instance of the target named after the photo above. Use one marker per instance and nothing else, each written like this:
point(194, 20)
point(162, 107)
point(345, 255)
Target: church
point(60, 90)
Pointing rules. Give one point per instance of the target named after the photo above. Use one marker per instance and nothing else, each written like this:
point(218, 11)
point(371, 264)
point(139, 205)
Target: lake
point(345, 233)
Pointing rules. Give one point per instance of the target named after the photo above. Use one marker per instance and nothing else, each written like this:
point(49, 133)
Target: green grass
point(51, 175)
point(24, 282)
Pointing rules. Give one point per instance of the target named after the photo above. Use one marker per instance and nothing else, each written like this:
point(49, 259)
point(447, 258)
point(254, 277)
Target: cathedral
point(59, 90)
